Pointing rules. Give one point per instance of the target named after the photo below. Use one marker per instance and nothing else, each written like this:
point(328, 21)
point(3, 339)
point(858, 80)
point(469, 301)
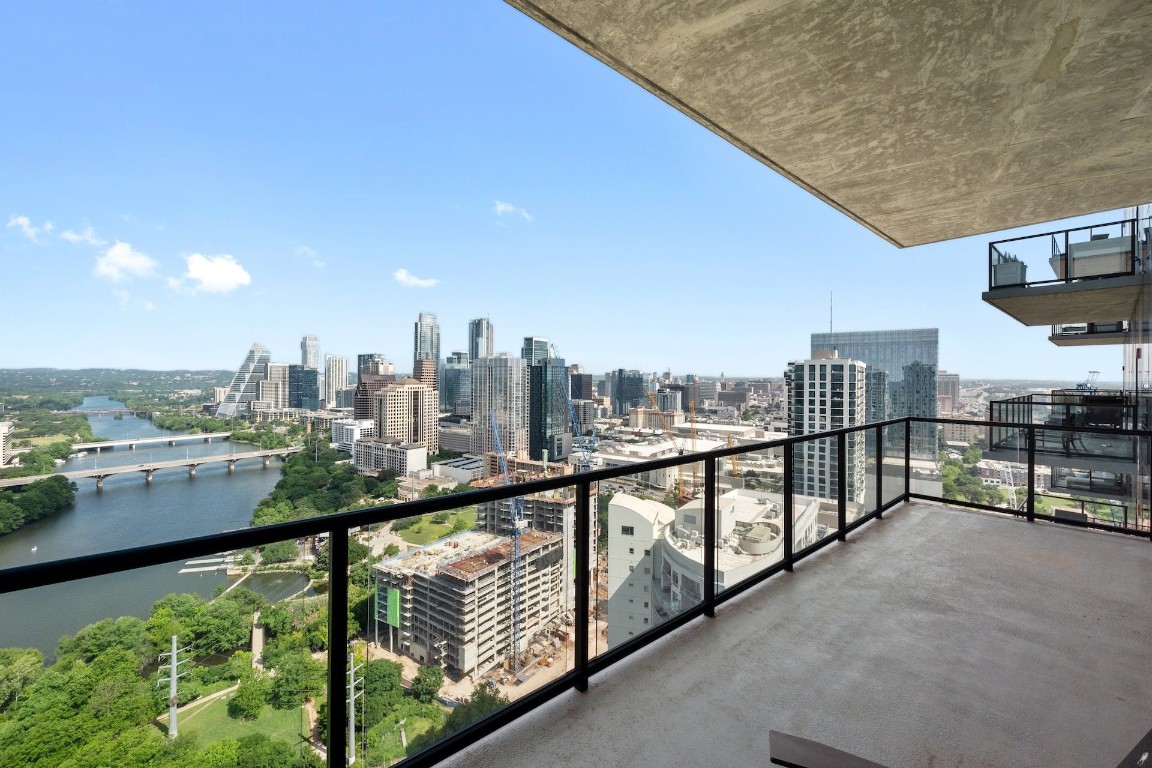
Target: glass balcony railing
point(1112, 249)
point(423, 626)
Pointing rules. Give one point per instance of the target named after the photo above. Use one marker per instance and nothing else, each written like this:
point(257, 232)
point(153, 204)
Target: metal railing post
point(907, 457)
point(710, 537)
point(584, 566)
point(879, 471)
point(787, 514)
point(337, 648)
point(842, 486)
point(1031, 432)
point(1067, 260)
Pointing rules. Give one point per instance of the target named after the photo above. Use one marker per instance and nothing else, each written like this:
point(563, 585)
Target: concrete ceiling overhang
point(924, 120)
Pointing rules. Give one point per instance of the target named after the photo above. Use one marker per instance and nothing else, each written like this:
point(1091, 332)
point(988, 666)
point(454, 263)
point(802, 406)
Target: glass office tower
point(904, 363)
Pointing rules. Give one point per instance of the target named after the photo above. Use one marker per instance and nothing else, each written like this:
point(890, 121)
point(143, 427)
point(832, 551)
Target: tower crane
point(518, 526)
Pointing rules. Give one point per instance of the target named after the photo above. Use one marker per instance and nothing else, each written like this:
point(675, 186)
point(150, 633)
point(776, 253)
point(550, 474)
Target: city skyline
point(236, 196)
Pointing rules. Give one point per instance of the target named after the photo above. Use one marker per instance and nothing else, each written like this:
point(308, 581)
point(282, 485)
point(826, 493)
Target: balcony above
point(935, 637)
point(1091, 334)
point(1072, 277)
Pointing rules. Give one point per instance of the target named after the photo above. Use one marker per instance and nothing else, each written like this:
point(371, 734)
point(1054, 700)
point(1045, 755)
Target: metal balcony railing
point(804, 525)
point(1112, 249)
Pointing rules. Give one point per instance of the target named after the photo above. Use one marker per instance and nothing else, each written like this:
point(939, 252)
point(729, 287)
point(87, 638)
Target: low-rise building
point(370, 455)
point(345, 432)
point(465, 469)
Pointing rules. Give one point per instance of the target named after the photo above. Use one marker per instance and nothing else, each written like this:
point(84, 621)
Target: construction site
point(457, 602)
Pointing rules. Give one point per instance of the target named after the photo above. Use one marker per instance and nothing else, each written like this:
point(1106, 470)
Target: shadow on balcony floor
point(936, 637)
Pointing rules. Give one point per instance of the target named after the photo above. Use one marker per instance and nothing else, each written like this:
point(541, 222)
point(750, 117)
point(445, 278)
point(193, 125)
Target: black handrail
point(338, 527)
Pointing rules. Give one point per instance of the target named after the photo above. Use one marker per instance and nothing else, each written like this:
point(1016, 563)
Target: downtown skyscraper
point(335, 378)
point(245, 386)
point(426, 347)
point(500, 393)
point(310, 352)
point(480, 343)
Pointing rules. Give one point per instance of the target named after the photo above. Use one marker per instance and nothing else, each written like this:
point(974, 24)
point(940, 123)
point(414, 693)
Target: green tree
point(298, 677)
point(250, 696)
point(426, 687)
point(391, 550)
point(485, 700)
point(279, 552)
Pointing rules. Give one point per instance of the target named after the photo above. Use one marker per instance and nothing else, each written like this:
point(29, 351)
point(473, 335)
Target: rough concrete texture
point(924, 120)
point(935, 637)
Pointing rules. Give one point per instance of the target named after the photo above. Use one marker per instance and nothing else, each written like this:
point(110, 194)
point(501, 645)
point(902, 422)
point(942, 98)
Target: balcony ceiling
point(923, 120)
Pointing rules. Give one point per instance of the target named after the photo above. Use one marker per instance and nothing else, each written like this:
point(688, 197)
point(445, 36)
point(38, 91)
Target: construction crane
point(518, 526)
point(734, 459)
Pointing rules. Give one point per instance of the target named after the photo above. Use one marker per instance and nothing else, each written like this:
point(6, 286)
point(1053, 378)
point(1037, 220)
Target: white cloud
point(501, 208)
point(28, 229)
point(212, 274)
point(404, 277)
point(149, 307)
point(87, 237)
point(311, 255)
point(120, 262)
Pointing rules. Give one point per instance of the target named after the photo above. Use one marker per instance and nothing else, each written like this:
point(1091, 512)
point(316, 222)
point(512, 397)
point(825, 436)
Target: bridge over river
point(100, 473)
point(132, 442)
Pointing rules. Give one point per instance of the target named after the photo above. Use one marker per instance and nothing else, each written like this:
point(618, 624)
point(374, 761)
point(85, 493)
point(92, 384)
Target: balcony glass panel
point(749, 524)
point(649, 554)
point(88, 665)
point(894, 451)
point(450, 625)
point(872, 460)
point(815, 488)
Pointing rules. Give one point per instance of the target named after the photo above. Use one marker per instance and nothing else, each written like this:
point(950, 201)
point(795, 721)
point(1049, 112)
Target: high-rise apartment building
point(426, 372)
point(245, 386)
point(335, 378)
point(408, 411)
point(500, 388)
point(373, 363)
point(310, 389)
point(534, 349)
point(426, 341)
point(908, 360)
point(310, 352)
point(826, 393)
point(549, 425)
point(6, 430)
point(274, 388)
point(480, 342)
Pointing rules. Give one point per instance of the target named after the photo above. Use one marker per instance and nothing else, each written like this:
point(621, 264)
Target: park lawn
point(49, 439)
point(212, 723)
point(425, 532)
point(390, 747)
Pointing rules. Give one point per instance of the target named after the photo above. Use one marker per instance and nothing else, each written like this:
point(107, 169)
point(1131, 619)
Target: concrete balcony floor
point(934, 637)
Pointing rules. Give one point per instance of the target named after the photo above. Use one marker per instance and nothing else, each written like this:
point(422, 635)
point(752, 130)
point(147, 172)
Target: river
point(131, 513)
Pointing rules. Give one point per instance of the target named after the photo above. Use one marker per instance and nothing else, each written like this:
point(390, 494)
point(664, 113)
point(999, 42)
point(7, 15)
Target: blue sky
point(180, 181)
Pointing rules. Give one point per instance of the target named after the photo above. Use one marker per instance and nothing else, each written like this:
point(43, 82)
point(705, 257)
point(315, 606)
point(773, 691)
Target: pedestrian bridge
point(132, 442)
point(100, 473)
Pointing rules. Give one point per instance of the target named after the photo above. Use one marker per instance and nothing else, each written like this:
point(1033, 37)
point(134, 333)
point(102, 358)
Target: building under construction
point(451, 603)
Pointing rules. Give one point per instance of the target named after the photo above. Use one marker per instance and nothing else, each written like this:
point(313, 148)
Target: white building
point(6, 430)
point(656, 554)
point(370, 455)
point(827, 393)
point(335, 378)
point(463, 470)
point(345, 432)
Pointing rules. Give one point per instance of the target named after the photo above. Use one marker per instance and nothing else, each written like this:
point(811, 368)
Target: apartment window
point(647, 552)
point(631, 551)
point(647, 571)
point(645, 621)
point(689, 519)
point(645, 603)
point(627, 530)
